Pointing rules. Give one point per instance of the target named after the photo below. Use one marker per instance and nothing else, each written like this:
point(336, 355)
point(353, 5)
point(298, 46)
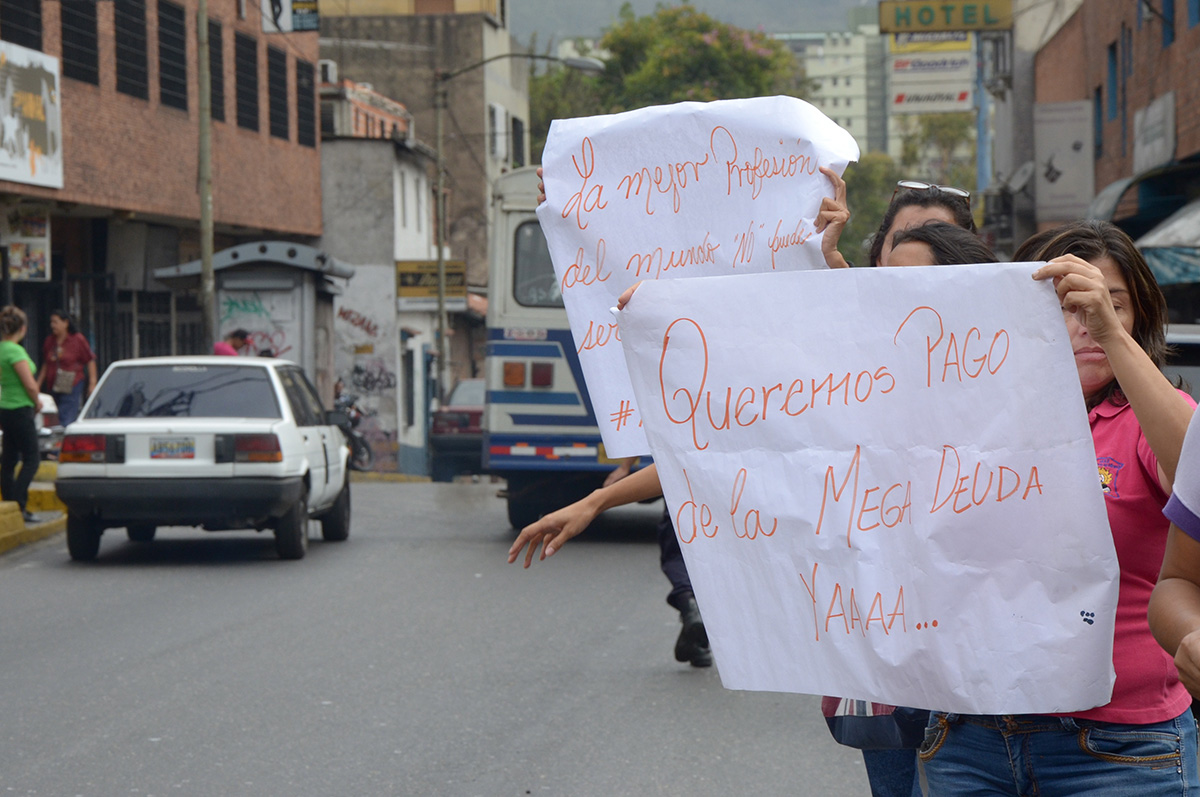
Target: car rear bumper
point(180, 502)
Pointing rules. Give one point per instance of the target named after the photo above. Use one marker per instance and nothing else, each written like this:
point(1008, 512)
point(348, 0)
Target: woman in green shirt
point(19, 402)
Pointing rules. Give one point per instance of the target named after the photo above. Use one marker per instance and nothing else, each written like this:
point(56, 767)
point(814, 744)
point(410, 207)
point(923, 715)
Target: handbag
point(874, 726)
point(64, 381)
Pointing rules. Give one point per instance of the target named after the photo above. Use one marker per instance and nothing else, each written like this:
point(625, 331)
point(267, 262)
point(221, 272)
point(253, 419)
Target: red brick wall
point(1075, 62)
point(125, 153)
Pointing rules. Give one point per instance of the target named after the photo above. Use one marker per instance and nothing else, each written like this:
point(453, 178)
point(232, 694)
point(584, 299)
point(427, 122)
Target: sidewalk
point(51, 514)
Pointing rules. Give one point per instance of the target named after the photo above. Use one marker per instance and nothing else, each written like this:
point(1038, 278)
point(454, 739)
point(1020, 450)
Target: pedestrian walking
point(68, 366)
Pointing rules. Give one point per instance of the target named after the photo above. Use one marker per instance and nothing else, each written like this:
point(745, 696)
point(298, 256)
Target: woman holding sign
point(1144, 740)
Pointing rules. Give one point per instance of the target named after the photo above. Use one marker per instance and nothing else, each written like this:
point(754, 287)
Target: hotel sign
point(909, 17)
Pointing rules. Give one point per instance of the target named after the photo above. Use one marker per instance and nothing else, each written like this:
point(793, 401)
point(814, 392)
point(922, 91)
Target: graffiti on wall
point(269, 317)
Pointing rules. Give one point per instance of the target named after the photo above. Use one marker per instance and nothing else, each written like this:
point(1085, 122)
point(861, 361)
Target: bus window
point(534, 281)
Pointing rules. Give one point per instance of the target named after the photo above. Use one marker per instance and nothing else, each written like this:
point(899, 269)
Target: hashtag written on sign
point(623, 415)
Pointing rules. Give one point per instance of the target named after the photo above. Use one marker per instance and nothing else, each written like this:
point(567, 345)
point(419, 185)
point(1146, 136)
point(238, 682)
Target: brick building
point(1128, 70)
point(125, 132)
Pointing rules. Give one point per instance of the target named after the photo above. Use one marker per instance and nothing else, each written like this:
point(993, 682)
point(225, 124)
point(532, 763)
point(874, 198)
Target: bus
point(540, 432)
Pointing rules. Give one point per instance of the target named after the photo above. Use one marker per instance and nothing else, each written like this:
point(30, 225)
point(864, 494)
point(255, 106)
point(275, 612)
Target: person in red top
point(233, 343)
point(1143, 741)
point(66, 358)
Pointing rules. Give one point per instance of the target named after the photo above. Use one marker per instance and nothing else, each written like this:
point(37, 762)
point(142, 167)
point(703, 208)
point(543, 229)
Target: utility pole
point(208, 298)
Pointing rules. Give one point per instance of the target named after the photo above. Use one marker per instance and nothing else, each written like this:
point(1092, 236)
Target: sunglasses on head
point(917, 185)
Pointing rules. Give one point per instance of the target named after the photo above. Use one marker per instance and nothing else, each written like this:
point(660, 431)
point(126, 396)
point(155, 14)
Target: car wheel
point(142, 532)
point(83, 536)
point(291, 530)
point(335, 524)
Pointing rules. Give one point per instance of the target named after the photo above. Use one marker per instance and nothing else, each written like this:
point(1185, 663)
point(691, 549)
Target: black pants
point(20, 445)
point(671, 559)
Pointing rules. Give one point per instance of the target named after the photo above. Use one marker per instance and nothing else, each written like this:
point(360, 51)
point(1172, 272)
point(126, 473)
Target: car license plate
point(172, 448)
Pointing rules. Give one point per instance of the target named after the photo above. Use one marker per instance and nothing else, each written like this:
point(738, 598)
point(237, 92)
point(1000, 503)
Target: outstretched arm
point(553, 530)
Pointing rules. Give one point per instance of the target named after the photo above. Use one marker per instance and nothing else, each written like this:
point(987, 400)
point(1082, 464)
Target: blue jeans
point(69, 404)
point(1029, 754)
point(892, 773)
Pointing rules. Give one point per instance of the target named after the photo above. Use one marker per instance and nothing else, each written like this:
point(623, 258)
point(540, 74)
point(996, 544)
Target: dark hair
point(239, 333)
point(11, 320)
point(1092, 240)
point(958, 206)
point(65, 316)
point(951, 245)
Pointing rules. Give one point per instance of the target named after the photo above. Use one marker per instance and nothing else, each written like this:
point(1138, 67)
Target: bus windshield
point(534, 281)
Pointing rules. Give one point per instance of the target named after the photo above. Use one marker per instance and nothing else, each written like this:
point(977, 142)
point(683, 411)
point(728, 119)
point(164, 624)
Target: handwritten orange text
point(599, 334)
point(844, 605)
point(875, 506)
point(957, 363)
point(587, 198)
point(650, 264)
point(580, 271)
point(753, 403)
point(969, 491)
point(755, 171)
point(693, 518)
point(744, 527)
point(670, 178)
point(796, 237)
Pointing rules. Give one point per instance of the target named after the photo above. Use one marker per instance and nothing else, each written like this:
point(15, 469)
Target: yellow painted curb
point(43, 498)
point(374, 476)
point(14, 532)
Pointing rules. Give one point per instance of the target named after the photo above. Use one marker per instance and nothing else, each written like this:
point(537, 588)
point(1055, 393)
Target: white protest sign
point(684, 190)
point(884, 483)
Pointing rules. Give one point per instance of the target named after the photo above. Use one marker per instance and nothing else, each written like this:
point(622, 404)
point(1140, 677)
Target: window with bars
point(245, 61)
point(216, 62)
point(80, 50)
point(306, 104)
point(129, 17)
point(277, 93)
point(172, 55)
point(21, 22)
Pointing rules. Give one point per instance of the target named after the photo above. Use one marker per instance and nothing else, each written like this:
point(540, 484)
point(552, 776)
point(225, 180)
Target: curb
point(376, 476)
point(14, 533)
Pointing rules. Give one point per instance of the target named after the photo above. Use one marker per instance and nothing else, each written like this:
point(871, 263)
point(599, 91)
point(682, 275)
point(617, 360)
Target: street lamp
point(440, 92)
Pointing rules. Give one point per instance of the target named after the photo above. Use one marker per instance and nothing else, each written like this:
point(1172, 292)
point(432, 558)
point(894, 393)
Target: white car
point(217, 442)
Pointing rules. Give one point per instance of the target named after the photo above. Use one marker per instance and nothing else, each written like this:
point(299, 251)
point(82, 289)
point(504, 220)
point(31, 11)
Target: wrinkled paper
point(684, 190)
point(884, 483)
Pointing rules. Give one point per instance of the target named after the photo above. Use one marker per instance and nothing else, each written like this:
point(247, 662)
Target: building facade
point(406, 50)
point(376, 191)
point(117, 119)
point(1122, 76)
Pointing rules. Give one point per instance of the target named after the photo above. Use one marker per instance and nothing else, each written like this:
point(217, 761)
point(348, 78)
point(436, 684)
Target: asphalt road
point(410, 660)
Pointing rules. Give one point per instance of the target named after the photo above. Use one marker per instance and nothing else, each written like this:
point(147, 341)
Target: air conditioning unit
point(328, 70)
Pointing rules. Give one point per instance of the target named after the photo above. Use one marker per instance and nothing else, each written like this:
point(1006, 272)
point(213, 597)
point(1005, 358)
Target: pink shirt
point(221, 347)
point(1147, 689)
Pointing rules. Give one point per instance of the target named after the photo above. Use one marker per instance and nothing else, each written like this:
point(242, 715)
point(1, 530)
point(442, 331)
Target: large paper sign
point(884, 483)
point(677, 191)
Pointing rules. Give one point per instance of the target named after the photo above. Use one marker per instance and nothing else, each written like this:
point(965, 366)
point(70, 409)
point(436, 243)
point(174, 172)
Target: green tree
point(869, 186)
point(673, 55)
point(944, 143)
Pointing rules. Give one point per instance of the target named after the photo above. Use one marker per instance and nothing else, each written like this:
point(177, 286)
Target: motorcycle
point(361, 455)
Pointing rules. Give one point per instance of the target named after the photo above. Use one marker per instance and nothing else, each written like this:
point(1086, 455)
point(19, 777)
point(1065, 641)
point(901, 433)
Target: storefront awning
point(1173, 247)
point(1105, 203)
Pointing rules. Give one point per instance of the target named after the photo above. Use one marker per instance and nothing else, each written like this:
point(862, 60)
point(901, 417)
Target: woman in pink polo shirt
point(1144, 740)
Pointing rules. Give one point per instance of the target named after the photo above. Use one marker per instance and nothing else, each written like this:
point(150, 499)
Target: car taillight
point(514, 374)
point(256, 448)
point(542, 375)
point(83, 448)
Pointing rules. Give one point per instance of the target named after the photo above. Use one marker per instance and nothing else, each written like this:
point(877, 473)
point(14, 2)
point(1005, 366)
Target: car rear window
point(186, 391)
point(468, 393)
